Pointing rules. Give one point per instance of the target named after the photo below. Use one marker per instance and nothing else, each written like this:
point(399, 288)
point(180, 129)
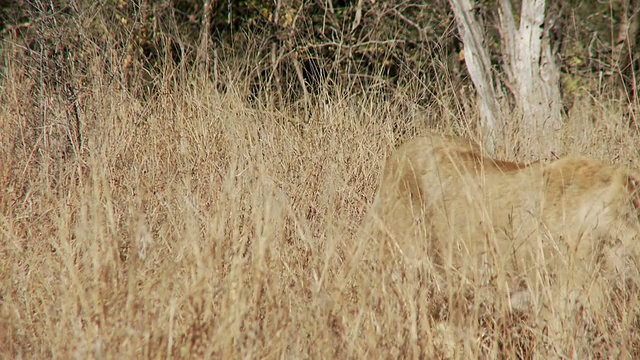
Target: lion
point(482, 222)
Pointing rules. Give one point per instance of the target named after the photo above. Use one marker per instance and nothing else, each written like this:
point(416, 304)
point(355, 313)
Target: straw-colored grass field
point(199, 224)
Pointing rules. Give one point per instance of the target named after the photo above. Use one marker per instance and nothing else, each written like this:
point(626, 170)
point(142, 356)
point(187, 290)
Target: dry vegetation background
point(152, 210)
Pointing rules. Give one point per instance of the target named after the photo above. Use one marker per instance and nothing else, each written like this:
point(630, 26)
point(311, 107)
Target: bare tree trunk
point(479, 66)
point(275, 60)
point(530, 68)
point(532, 73)
point(203, 50)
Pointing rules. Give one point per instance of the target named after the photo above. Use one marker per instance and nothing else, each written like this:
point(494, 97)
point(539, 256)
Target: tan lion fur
point(485, 222)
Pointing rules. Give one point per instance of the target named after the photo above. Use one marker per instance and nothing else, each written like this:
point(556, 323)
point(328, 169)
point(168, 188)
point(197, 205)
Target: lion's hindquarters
point(536, 237)
point(469, 213)
point(596, 206)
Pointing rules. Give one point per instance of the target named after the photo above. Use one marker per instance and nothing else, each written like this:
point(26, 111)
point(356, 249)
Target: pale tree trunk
point(478, 63)
point(625, 48)
point(531, 71)
point(532, 74)
point(202, 57)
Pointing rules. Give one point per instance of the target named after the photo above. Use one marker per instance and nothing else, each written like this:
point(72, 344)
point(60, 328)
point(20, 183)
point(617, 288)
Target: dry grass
point(195, 224)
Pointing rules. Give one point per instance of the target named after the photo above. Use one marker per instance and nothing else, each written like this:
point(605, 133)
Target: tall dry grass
point(197, 223)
